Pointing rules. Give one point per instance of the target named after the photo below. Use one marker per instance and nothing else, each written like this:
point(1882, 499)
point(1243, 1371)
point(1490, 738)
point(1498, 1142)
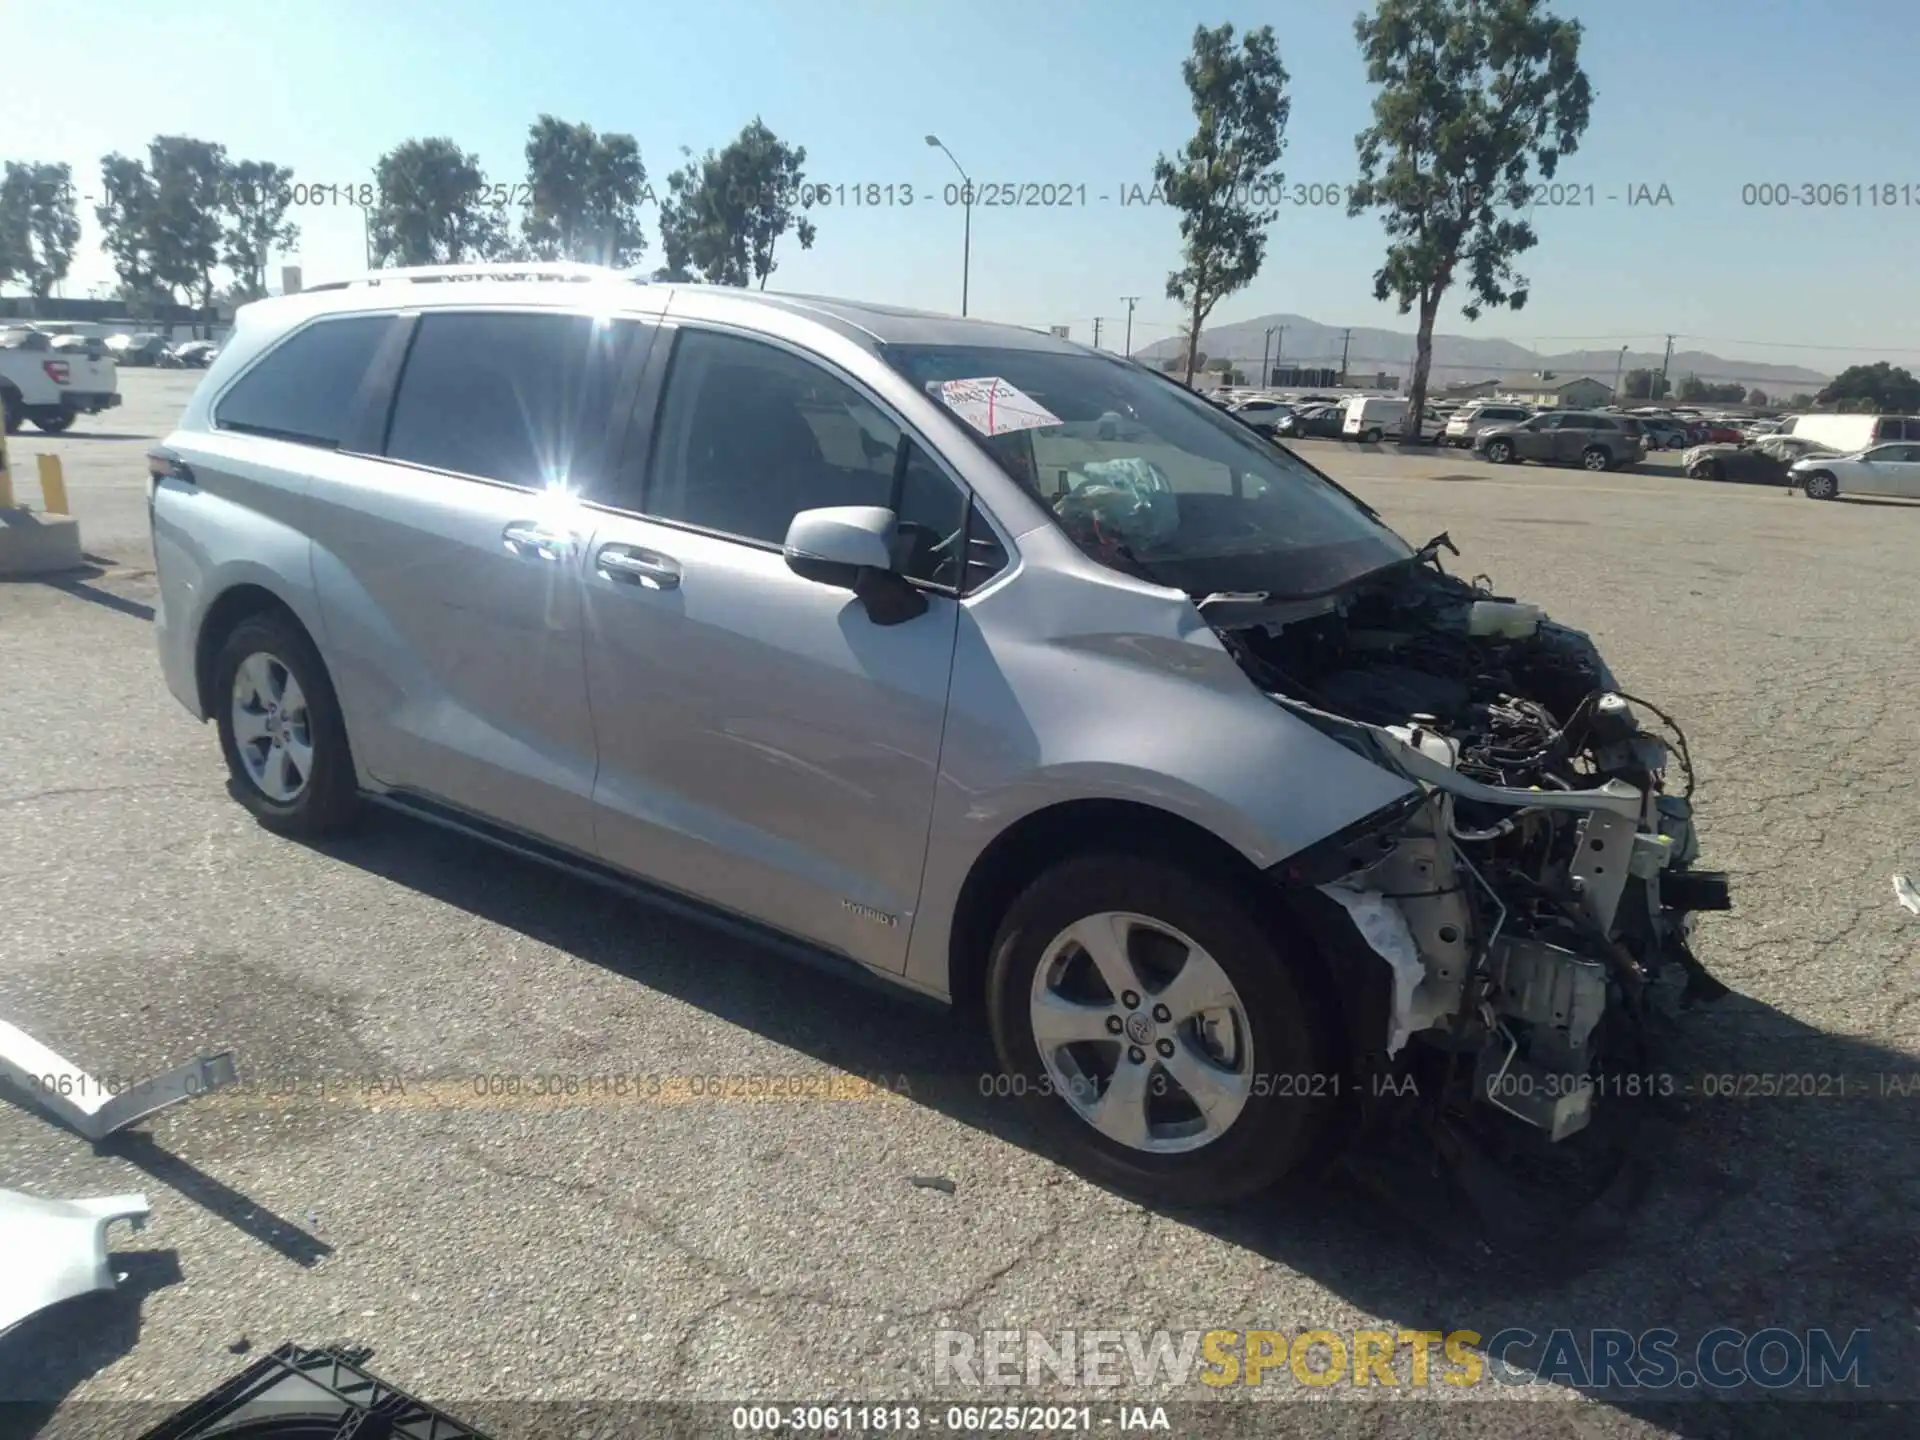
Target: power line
point(1776, 345)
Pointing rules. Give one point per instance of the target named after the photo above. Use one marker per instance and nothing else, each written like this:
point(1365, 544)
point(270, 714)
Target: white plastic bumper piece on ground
point(92, 1107)
point(53, 1250)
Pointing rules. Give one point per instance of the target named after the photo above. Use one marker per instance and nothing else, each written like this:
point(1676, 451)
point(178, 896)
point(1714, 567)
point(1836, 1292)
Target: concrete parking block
point(33, 542)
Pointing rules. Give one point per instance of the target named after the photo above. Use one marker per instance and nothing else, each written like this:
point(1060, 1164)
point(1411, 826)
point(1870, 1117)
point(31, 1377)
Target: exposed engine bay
point(1537, 891)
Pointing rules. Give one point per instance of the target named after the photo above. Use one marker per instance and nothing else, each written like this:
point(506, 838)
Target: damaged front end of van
point(1531, 902)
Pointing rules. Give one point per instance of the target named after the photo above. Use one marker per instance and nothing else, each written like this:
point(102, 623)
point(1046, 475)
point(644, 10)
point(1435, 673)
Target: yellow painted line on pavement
point(543, 1092)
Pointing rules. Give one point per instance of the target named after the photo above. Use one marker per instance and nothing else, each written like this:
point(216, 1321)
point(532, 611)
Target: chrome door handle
point(639, 567)
point(525, 537)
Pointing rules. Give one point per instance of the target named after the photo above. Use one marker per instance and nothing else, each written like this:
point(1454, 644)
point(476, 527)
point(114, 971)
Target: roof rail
point(486, 270)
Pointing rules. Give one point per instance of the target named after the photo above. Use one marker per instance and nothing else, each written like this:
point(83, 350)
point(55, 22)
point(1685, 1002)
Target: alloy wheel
point(271, 727)
point(1142, 1033)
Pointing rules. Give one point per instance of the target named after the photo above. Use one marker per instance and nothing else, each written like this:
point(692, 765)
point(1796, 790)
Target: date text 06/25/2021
point(1064, 194)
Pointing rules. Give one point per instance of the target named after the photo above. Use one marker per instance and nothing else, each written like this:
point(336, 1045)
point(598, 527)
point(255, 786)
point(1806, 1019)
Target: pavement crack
point(58, 792)
point(740, 1284)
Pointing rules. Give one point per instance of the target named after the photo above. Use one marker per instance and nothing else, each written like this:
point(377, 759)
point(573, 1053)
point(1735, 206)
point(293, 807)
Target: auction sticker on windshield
point(995, 407)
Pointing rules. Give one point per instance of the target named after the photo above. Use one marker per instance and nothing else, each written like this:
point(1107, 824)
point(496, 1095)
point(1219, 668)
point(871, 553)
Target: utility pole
point(1345, 341)
point(1667, 360)
point(1096, 332)
point(1132, 300)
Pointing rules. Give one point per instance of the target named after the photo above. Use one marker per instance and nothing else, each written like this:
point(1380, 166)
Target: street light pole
point(1132, 300)
point(1617, 364)
point(966, 240)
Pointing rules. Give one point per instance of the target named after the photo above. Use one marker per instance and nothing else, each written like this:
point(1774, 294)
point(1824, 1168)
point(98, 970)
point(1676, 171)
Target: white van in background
point(1850, 433)
point(1371, 418)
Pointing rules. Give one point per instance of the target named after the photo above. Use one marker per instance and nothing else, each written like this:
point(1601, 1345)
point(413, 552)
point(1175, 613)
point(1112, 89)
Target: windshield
point(1147, 477)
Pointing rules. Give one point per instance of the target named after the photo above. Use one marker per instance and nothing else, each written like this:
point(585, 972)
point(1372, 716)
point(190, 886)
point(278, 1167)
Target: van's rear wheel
point(281, 730)
point(1157, 1031)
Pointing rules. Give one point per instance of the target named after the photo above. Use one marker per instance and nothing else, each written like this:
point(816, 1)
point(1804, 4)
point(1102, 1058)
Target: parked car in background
point(188, 355)
point(1465, 426)
point(1852, 433)
point(91, 346)
point(1892, 470)
point(1263, 415)
point(1765, 462)
point(1372, 418)
point(51, 386)
point(1566, 437)
point(142, 349)
point(1310, 422)
point(1662, 432)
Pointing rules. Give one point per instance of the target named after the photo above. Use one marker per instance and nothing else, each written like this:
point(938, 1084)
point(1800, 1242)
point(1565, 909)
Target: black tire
point(1372, 437)
point(10, 398)
point(1500, 452)
point(1273, 1131)
point(1821, 485)
point(1595, 457)
point(54, 422)
point(330, 797)
point(1707, 470)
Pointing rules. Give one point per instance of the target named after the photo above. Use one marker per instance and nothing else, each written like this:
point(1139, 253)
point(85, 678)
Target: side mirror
point(850, 547)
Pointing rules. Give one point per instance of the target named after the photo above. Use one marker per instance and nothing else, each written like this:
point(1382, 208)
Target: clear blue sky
point(1703, 96)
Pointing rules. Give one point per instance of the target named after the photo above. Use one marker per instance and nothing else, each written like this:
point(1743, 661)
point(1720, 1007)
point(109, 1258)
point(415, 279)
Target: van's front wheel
point(1157, 1031)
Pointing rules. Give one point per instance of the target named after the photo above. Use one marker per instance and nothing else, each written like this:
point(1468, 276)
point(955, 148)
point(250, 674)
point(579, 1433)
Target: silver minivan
point(875, 632)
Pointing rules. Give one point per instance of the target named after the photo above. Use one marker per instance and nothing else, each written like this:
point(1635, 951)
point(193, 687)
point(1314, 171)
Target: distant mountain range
point(1458, 358)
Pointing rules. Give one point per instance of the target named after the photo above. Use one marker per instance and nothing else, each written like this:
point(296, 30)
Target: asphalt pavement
point(532, 1142)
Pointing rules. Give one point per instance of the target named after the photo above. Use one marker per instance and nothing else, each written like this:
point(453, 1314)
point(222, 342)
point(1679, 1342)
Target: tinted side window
point(1887, 430)
point(515, 397)
point(302, 389)
point(749, 435)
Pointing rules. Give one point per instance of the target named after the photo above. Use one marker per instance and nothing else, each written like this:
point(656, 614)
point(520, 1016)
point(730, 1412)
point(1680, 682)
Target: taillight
point(163, 464)
point(57, 370)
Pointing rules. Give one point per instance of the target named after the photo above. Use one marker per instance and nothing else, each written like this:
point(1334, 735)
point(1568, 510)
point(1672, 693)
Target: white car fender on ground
point(54, 1250)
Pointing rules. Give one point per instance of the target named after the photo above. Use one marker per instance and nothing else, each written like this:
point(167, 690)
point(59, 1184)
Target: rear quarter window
point(303, 388)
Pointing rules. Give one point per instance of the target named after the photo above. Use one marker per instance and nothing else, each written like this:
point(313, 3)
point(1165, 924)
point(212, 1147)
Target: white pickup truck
point(51, 384)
